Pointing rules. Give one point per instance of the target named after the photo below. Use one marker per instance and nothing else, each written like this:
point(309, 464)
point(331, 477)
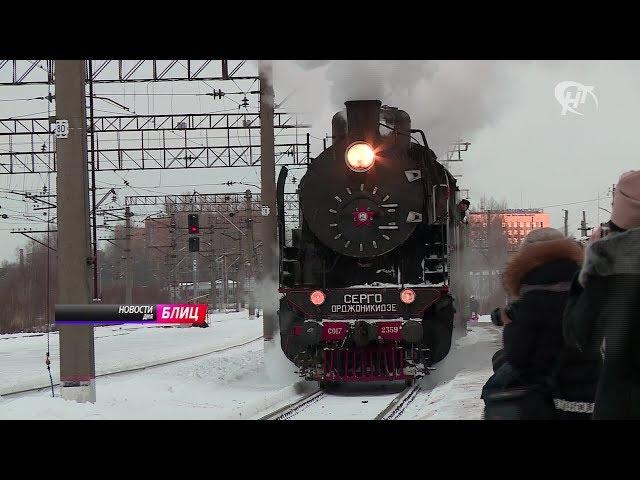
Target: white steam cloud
point(278, 368)
point(447, 99)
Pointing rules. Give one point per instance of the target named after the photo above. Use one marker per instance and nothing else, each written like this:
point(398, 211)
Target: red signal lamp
point(317, 297)
point(407, 296)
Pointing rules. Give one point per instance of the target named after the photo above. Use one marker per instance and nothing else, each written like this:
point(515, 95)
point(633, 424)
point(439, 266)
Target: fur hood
point(535, 255)
point(616, 254)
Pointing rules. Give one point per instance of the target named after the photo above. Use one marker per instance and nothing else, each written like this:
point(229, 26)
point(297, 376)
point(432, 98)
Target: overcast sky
point(522, 149)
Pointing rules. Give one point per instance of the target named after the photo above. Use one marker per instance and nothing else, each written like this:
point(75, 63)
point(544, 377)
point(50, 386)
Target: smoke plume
point(447, 99)
point(277, 367)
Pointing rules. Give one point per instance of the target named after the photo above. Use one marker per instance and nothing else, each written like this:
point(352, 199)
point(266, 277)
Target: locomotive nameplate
point(364, 303)
point(351, 303)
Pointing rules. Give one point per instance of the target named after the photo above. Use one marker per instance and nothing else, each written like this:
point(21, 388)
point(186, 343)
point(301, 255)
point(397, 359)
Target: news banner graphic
point(93, 314)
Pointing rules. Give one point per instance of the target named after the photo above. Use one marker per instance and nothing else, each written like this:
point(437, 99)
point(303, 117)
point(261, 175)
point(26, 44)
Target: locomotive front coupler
point(421, 367)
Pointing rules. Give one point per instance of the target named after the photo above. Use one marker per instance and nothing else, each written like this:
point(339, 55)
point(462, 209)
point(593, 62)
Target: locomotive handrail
point(424, 137)
point(445, 228)
point(282, 178)
point(401, 132)
point(413, 130)
point(433, 193)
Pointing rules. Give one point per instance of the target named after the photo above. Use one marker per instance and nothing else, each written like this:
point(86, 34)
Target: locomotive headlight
point(360, 156)
point(317, 297)
point(407, 296)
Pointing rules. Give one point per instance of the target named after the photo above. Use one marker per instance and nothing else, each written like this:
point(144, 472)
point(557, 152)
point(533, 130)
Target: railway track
point(355, 407)
point(399, 404)
point(292, 409)
point(135, 369)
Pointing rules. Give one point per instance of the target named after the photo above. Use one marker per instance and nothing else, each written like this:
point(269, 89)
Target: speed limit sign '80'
point(62, 128)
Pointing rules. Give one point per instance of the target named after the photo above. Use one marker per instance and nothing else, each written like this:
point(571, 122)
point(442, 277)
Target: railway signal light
point(194, 223)
point(194, 244)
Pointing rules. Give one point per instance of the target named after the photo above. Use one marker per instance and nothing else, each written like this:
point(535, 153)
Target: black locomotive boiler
point(368, 280)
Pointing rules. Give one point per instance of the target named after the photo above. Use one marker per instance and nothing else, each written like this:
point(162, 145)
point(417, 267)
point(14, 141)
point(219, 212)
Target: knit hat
point(542, 235)
point(626, 201)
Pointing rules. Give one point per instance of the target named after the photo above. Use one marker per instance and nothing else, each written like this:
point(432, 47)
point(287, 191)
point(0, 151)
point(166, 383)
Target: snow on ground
point(121, 347)
point(225, 385)
point(474, 335)
point(229, 384)
point(458, 399)
point(452, 391)
point(352, 402)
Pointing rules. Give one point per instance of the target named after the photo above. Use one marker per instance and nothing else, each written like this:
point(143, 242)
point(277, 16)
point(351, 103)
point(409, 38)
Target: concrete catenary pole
point(128, 259)
point(269, 283)
point(213, 301)
point(240, 276)
point(566, 223)
point(583, 224)
point(251, 263)
point(225, 283)
point(77, 355)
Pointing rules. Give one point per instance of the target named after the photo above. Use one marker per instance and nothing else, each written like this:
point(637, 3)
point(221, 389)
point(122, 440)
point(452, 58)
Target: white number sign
point(62, 128)
point(265, 210)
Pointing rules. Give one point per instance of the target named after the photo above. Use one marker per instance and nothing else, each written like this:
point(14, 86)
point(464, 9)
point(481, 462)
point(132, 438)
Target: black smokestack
point(363, 118)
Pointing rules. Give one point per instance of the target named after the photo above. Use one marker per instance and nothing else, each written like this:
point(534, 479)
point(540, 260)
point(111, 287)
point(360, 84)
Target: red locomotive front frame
point(389, 356)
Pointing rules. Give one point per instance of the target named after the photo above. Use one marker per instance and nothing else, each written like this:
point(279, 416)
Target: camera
point(496, 314)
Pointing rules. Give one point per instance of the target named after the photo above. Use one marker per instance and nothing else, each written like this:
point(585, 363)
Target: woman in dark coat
point(538, 278)
point(603, 309)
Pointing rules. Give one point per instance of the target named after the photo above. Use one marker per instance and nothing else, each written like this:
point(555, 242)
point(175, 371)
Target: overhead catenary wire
point(51, 109)
point(20, 99)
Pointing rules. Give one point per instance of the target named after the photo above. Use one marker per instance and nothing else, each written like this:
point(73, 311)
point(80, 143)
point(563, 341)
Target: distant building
point(515, 224)
point(494, 235)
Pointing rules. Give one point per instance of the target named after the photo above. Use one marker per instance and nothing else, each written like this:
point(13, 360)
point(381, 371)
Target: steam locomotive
point(368, 279)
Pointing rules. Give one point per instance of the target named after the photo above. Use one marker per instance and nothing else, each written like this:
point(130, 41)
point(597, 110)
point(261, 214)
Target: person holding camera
point(602, 314)
point(537, 280)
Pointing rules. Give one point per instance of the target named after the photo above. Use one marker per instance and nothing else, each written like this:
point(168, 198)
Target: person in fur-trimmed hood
point(602, 314)
point(537, 280)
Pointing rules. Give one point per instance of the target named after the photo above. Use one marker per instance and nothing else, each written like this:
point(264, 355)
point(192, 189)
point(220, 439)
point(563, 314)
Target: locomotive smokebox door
point(357, 196)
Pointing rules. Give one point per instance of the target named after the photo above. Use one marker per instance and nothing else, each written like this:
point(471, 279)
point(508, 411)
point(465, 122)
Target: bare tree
point(489, 253)
point(24, 287)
